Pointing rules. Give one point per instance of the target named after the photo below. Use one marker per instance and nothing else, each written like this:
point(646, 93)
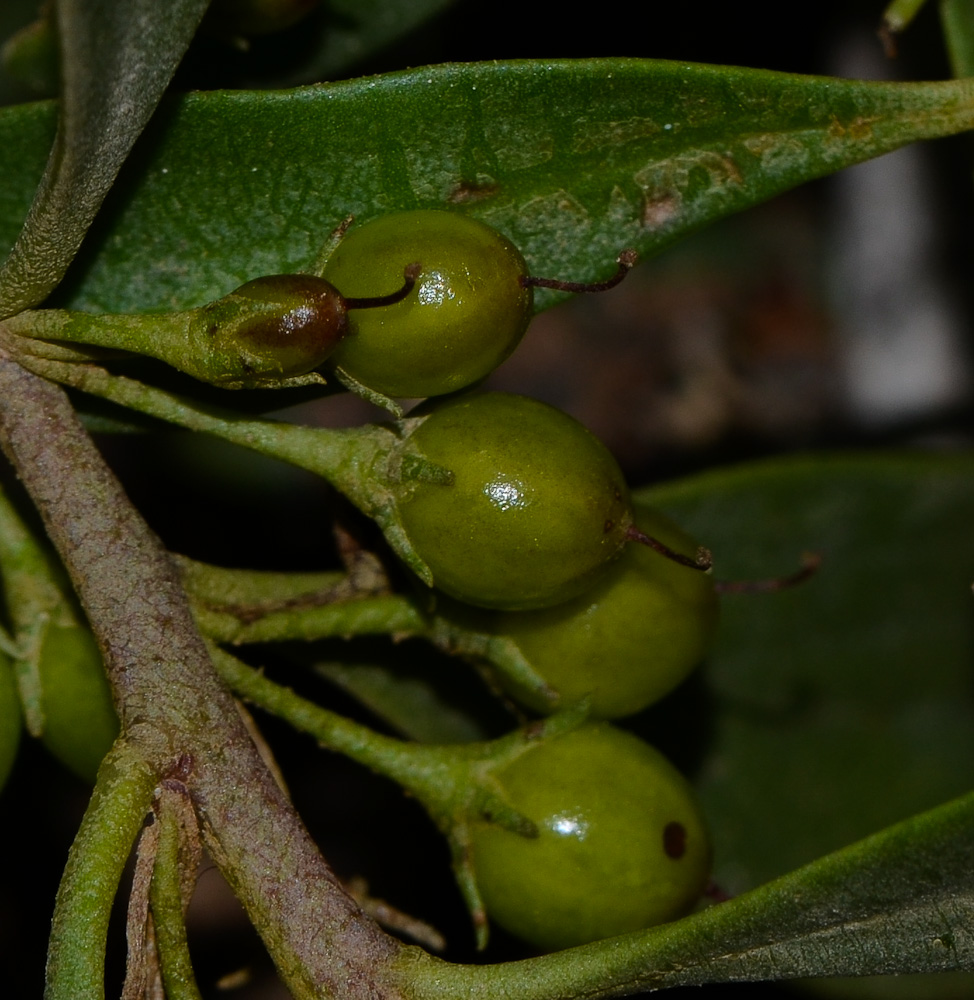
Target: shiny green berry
point(529, 510)
point(11, 720)
point(467, 314)
point(80, 723)
point(627, 641)
point(621, 842)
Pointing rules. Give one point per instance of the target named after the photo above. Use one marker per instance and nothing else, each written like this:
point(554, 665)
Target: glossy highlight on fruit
point(467, 314)
point(533, 508)
point(622, 844)
point(630, 639)
point(80, 723)
point(271, 328)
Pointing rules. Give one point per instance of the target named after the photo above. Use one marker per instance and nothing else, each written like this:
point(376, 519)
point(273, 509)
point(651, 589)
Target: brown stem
point(409, 276)
point(174, 709)
point(626, 261)
point(702, 561)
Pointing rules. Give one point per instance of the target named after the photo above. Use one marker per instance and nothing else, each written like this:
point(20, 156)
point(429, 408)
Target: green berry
point(531, 508)
point(80, 723)
point(621, 846)
point(467, 314)
point(627, 641)
point(11, 721)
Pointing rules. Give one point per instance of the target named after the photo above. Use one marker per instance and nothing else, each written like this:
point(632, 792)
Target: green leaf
point(845, 704)
point(572, 160)
point(899, 902)
point(117, 57)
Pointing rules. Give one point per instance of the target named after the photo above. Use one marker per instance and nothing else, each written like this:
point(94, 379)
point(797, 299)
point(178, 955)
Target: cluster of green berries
point(534, 528)
point(520, 514)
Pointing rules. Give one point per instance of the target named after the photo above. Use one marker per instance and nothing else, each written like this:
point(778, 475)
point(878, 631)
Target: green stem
point(900, 13)
point(344, 457)
point(357, 461)
point(957, 20)
point(138, 333)
point(382, 615)
point(451, 781)
point(260, 607)
point(119, 804)
point(248, 606)
point(423, 770)
point(167, 913)
point(175, 709)
point(226, 587)
point(455, 783)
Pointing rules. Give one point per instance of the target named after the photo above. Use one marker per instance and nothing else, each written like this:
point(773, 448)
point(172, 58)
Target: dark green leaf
point(845, 704)
point(572, 160)
point(901, 901)
point(117, 57)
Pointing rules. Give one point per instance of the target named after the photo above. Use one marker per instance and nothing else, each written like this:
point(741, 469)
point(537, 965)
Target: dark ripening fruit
point(11, 721)
point(627, 641)
point(271, 328)
point(536, 508)
point(80, 723)
point(621, 846)
point(467, 314)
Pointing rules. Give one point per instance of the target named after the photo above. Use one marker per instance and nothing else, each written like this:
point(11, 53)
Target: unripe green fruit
point(80, 723)
point(535, 509)
point(627, 641)
point(621, 846)
point(466, 315)
point(11, 720)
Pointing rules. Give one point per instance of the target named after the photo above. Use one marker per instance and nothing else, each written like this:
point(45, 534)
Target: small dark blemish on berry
point(674, 840)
